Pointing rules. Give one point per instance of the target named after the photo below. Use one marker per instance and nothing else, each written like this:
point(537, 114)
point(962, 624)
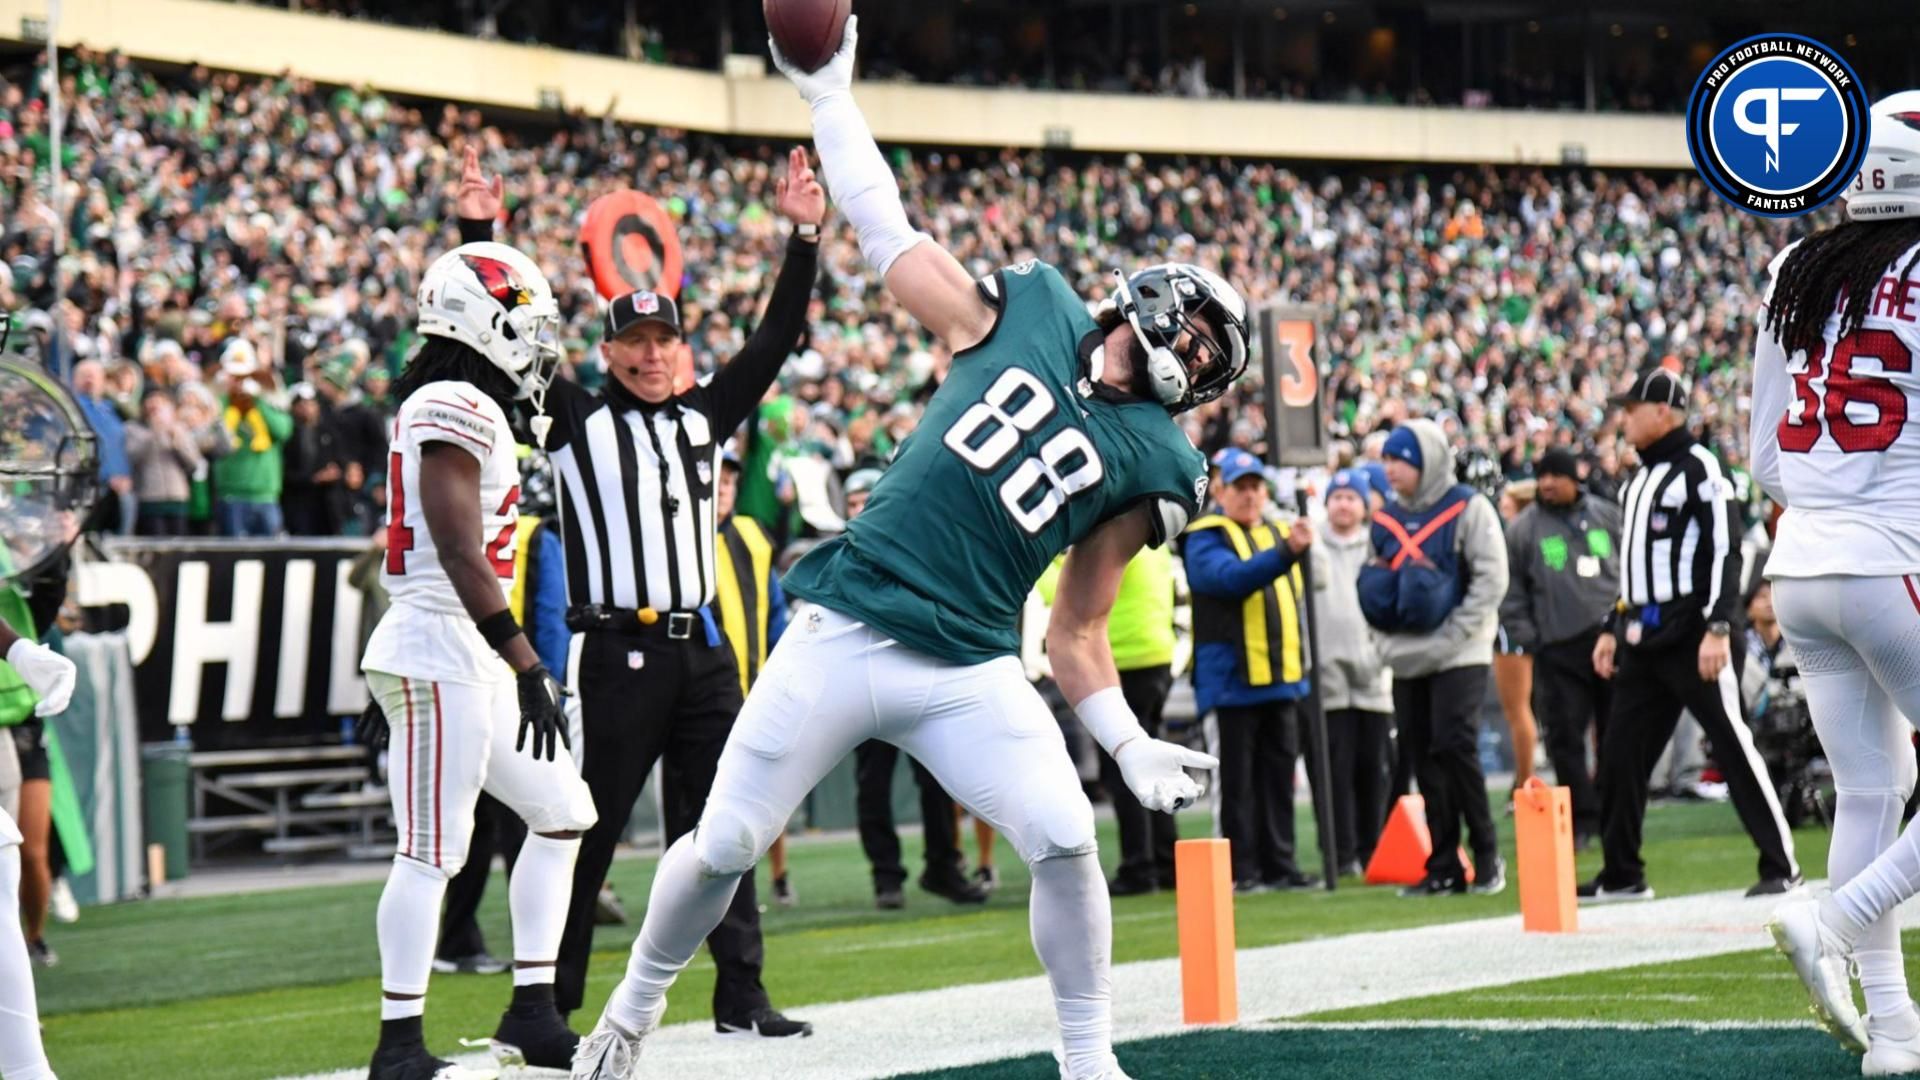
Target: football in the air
point(807, 31)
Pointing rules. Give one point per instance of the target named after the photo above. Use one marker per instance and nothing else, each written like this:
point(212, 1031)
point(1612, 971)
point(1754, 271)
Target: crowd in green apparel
point(209, 207)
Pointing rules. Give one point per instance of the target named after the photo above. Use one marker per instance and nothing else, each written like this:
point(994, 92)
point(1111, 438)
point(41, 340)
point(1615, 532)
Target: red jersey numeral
point(1798, 434)
point(399, 537)
point(500, 552)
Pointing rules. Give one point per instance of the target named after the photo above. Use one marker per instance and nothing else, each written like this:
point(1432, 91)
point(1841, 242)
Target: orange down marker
point(1203, 879)
point(1543, 835)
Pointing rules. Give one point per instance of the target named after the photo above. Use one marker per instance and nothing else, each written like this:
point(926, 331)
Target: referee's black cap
point(641, 306)
point(1656, 385)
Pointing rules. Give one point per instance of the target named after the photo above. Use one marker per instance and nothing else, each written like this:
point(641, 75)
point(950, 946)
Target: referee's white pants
point(835, 682)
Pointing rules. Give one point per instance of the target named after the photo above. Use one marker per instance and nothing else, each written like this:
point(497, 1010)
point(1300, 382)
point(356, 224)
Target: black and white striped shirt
point(1680, 537)
point(636, 481)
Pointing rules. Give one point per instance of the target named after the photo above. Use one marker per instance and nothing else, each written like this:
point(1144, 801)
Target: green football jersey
point(1013, 462)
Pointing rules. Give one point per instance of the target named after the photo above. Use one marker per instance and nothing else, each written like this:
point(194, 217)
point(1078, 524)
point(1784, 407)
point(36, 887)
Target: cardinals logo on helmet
point(497, 278)
point(1911, 119)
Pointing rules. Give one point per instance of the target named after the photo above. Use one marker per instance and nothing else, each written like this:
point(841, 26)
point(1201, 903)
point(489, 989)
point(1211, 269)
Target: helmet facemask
point(1169, 308)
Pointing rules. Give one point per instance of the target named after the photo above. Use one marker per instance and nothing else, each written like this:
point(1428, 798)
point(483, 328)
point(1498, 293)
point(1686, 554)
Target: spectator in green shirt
point(246, 482)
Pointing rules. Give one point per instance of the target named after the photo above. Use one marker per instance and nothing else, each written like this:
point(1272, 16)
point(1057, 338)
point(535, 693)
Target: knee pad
point(406, 864)
point(729, 840)
point(1058, 824)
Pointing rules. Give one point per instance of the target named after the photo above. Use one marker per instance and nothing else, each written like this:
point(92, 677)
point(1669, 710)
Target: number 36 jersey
point(427, 633)
point(1014, 460)
point(1836, 439)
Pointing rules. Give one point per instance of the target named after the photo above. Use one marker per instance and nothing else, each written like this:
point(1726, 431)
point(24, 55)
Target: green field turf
point(283, 983)
point(1552, 1054)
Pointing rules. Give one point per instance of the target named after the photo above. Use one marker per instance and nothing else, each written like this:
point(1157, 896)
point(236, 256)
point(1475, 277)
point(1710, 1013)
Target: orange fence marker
point(1543, 833)
point(1203, 878)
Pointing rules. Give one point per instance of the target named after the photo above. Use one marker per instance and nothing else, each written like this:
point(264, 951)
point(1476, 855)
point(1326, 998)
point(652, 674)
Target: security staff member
point(753, 611)
point(1250, 665)
point(1563, 566)
point(1672, 645)
point(637, 465)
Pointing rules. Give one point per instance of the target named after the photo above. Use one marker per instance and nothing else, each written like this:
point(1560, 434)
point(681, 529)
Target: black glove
point(371, 729)
point(540, 712)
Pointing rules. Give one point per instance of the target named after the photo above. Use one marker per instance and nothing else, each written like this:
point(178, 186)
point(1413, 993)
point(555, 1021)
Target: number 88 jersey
point(1836, 439)
point(427, 633)
point(1013, 461)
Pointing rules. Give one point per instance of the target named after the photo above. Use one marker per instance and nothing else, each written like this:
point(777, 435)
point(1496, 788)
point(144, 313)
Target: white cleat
point(1893, 1045)
point(1108, 1069)
point(611, 1052)
point(1820, 960)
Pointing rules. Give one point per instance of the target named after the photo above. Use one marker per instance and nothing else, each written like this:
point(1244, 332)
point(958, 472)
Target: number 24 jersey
point(426, 633)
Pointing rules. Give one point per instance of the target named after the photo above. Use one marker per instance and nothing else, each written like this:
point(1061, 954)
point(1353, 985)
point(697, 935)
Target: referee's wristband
point(1108, 718)
point(499, 628)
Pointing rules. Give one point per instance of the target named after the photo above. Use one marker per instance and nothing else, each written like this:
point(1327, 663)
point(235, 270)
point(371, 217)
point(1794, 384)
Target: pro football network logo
point(1777, 125)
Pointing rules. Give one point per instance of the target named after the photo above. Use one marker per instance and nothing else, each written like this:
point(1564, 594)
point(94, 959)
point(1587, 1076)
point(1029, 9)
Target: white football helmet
point(1889, 182)
point(1160, 303)
point(495, 301)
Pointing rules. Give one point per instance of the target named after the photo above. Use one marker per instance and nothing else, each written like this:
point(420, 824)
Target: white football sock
point(21, 1055)
point(1878, 888)
point(684, 907)
point(409, 927)
point(537, 897)
point(1072, 920)
point(1864, 825)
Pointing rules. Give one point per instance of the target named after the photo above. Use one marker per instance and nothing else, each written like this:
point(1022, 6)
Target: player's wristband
point(499, 628)
point(1108, 718)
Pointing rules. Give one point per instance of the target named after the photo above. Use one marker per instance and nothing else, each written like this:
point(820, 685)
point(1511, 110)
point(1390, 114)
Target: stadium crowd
point(246, 250)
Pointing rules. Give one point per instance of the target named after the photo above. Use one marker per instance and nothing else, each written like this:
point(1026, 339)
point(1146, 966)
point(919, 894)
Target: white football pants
point(449, 742)
point(1856, 642)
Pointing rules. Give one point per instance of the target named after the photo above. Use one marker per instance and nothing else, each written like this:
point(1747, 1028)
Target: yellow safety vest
point(1267, 621)
point(744, 561)
point(522, 544)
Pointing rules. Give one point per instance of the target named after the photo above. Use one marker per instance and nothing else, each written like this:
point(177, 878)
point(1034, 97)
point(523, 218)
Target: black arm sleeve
point(741, 384)
point(475, 230)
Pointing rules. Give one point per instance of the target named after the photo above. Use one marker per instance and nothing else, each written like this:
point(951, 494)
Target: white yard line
point(967, 1025)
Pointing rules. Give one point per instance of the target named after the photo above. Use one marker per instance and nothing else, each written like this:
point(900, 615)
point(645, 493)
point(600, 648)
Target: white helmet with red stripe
point(1889, 182)
point(495, 301)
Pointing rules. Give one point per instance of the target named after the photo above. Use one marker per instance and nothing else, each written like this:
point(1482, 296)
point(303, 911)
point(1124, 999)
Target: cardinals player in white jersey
point(467, 701)
point(22, 1057)
point(1836, 438)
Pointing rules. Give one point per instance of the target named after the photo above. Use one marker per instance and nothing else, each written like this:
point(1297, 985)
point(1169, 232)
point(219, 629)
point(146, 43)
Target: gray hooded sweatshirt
point(1352, 675)
point(1466, 638)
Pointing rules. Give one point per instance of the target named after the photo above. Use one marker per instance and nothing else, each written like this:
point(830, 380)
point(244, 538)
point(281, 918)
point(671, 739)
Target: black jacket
point(1680, 543)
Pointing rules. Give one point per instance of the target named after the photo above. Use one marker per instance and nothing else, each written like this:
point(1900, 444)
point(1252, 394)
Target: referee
point(638, 466)
point(1676, 649)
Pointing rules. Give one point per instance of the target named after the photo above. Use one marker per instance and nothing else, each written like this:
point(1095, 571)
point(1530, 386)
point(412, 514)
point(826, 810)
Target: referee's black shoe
point(1436, 886)
point(954, 886)
point(1775, 886)
point(1593, 892)
point(766, 1023)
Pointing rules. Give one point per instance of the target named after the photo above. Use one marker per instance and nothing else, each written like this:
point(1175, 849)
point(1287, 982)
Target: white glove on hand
point(45, 672)
point(1156, 772)
point(835, 77)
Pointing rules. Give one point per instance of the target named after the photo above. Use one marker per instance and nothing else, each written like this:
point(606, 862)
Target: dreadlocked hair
point(442, 359)
point(1847, 260)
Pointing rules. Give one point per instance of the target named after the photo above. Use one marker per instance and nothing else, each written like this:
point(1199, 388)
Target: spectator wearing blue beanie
point(1355, 687)
point(1379, 491)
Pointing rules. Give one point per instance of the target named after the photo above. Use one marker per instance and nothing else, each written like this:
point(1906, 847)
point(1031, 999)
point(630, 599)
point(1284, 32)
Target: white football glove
point(836, 76)
point(1156, 772)
point(45, 672)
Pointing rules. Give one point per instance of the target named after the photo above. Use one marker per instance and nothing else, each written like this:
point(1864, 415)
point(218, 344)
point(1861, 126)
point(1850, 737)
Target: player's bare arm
point(1082, 659)
point(925, 277)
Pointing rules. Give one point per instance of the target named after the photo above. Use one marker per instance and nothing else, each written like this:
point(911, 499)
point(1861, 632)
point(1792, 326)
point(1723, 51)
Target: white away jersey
point(1836, 439)
point(427, 633)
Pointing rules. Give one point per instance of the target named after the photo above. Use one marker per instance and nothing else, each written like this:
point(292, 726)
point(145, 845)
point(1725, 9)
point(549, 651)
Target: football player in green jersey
point(1054, 429)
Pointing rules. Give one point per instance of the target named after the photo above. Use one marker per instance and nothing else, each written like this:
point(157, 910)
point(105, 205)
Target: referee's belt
point(644, 622)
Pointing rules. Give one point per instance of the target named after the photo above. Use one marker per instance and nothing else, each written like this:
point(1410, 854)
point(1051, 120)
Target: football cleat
point(412, 1062)
point(541, 1040)
point(611, 1052)
point(783, 893)
point(765, 1023)
point(1820, 959)
point(479, 963)
point(1108, 1069)
point(1893, 1045)
point(1593, 892)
